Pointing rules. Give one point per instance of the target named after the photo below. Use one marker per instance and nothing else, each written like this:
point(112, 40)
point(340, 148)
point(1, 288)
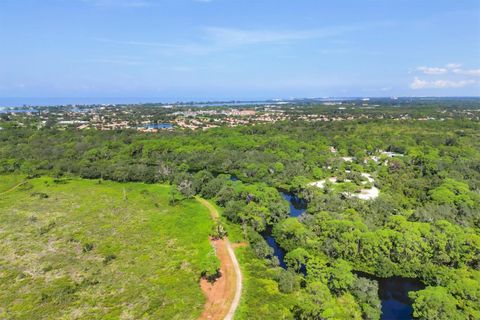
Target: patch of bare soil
point(220, 293)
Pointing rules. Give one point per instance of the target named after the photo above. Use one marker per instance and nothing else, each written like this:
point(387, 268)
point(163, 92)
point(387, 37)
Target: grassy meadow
point(85, 249)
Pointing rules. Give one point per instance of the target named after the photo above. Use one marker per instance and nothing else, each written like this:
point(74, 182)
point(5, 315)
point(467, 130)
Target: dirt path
point(223, 296)
point(13, 188)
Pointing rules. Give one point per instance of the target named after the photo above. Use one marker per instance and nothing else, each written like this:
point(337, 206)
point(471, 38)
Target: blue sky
point(239, 49)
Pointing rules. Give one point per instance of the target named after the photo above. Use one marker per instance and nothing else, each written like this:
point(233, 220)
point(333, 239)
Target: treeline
point(285, 155)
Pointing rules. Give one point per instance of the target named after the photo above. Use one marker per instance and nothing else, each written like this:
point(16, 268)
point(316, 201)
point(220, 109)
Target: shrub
point(109, 258)
point(60, 181)
point(211, 267)
point(47, 228)
point(87, 247)
point(218, 231)
point(287, 281)
point(40, 195)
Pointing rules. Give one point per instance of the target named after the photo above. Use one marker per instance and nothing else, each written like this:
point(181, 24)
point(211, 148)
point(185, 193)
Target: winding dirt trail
point(223, 296)
point(13, 188)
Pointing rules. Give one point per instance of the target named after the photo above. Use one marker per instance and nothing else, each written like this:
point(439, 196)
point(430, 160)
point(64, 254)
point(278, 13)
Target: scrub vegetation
point(93, 249)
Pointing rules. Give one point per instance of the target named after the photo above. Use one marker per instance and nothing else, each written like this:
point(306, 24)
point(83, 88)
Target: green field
point(84, 249)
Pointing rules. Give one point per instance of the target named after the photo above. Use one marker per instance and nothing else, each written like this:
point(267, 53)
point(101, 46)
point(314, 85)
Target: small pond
point(393, 292)
point(159, 126)
point(297, 205)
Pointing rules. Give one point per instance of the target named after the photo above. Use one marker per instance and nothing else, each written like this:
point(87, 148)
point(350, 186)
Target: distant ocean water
point(35, 102)
point(39, 102)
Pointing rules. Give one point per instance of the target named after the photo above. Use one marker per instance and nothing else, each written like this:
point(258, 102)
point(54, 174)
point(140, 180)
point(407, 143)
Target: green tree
point(435, 303)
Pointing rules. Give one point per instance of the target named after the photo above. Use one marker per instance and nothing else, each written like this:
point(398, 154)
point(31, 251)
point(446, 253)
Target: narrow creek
point(393, 291)
point(297, 207)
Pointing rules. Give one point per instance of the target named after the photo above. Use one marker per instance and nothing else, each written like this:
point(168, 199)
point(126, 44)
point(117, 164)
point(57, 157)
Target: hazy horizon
point(15, 102)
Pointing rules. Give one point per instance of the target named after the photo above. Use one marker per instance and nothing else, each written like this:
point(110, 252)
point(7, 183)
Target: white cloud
point(239, 37)
point(432, 70)
point(217, 39)
point(439, 84)
point(454, 68)
point(452, 76)
point(453, 65)
point(451, 84)
point(468, 72)
point(418, 84)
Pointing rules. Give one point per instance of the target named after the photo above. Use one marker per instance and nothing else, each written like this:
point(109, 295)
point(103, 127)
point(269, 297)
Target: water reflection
point(297, 205)
point(393, 293)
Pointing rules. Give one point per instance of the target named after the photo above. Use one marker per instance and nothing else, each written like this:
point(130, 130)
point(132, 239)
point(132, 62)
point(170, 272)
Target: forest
point(424, 224)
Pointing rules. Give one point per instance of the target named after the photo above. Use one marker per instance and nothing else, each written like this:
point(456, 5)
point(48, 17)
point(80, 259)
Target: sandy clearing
point(365, 194)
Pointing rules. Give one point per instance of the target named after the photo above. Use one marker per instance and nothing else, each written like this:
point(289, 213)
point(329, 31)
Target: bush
point(287, 281)
point(233, 209)
point(211, 267)
point(218, 231)
point(259, 246)
point(87, 247)
point(109, 258)
point(60, 181)
point(40, 195)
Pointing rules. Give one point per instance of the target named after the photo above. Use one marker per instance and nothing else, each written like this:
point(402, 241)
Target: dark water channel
point(297, 207)
point(393, 291)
